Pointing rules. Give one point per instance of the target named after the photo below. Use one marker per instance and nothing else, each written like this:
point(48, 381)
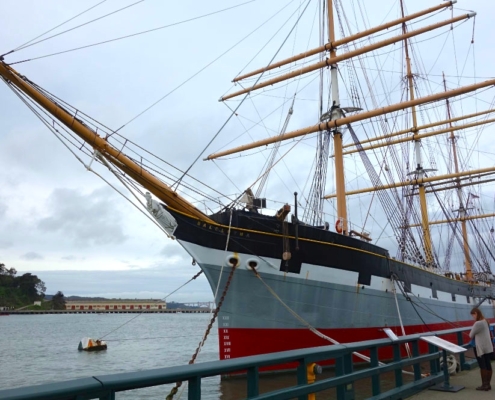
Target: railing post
point(343, 366)
point(460, 342)
point(339, 371)
point(397, 371)
point(375, 379)
point(446, 375)
point(302, 376)
point(194, 388)
point(252, 382)
point(416, 367)
point(434, 364)
point(109, 396)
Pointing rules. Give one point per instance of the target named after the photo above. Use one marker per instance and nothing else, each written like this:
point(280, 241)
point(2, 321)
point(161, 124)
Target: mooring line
point(175, 389)
point(310, 327)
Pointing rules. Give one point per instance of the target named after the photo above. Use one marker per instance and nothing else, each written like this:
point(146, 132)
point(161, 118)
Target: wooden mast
point(346, 56)
point(422, 127)
point(419, 172)
point(462, 208)
point(115, 156)
point(348, 39)
point(329, 125)
point(417, 137)
point(336, 113)
point(466, 218)
point(416, 181)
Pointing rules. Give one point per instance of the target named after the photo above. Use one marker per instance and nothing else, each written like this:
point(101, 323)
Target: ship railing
point(347, 372)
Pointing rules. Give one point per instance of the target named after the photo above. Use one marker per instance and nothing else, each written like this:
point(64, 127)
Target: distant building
point(111, 304)
point(37, 303)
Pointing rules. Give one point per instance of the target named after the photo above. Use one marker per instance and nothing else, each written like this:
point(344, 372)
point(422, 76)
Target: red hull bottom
point(242, 342)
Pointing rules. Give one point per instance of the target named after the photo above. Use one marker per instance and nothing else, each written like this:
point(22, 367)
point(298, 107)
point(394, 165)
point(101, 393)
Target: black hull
point(261, 236)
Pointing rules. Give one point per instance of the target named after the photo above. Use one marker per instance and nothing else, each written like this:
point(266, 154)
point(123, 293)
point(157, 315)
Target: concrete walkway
point(470, 379)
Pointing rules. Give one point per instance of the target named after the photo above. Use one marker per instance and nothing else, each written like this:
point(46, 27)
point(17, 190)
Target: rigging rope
point(143, 312)
point(307, 324)
point(144, 162)
point(271, 158)
point(114, 172)
point(75, 27)
point(390, 207)
point(133, 34)
point(180, 287)
point(50, 30)
point(245, 96)
point(202, 69)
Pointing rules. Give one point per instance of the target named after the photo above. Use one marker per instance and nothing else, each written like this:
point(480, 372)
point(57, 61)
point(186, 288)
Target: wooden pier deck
point(470, 379)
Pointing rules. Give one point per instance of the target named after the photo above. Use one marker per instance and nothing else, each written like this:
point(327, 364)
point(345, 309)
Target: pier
point(163, 311)
point(470, 379)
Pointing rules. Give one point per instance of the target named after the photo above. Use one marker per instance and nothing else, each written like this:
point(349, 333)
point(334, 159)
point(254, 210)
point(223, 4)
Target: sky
point(69, 227)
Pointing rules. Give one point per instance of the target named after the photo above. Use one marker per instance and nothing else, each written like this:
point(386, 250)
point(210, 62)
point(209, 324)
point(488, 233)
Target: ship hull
point(272, 309)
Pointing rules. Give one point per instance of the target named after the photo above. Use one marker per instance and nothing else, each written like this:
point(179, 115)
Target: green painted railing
point(106, 386)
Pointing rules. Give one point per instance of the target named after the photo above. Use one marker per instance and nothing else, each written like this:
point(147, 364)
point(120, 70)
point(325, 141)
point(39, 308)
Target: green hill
point(19, 291)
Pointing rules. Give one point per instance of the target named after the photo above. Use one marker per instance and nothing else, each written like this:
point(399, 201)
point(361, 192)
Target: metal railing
point(106, 386)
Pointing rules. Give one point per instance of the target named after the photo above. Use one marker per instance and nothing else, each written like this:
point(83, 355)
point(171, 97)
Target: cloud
point(32, 256)
point(5, 244)
point(156, 282)
point(72, 258)
point(91, 219)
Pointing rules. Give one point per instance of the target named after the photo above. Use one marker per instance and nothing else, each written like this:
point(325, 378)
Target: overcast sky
point(65, 224)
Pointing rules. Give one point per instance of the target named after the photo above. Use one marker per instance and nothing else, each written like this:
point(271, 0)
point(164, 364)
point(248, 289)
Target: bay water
point(36, 349)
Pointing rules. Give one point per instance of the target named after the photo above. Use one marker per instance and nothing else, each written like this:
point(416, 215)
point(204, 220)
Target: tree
point(58, 301)
point(16, 291)
point(7, 276)
point(31, 286)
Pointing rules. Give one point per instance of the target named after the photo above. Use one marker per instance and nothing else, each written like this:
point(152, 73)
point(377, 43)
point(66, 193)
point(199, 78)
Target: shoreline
point(31, 312)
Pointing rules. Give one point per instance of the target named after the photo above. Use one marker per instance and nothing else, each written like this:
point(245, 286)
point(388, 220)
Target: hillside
point(18, 291)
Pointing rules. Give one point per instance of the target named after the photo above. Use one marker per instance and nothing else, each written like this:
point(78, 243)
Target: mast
point(336, 113)
point(420, 136)
point(419, 172)
point(113, 155)
point(332, 124)
point(471, 173)
point(422, 127)
point(345, 40)
point(313, 212)
point(462, 209)
point(346, 56)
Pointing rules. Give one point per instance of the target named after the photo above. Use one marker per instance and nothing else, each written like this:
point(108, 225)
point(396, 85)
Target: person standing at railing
point(484, 347)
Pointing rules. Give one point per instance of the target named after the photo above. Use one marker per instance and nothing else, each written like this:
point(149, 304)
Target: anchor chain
point(198, 274)
point(175, 389)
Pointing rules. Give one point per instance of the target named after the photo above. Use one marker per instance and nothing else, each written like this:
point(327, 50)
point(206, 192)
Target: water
point(37, 349)
point(43, 348)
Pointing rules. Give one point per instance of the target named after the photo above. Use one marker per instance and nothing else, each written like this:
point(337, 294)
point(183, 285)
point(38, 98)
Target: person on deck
point(484, 347)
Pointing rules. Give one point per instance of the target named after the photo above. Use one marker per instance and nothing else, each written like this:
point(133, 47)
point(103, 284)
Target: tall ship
point(389, 227)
